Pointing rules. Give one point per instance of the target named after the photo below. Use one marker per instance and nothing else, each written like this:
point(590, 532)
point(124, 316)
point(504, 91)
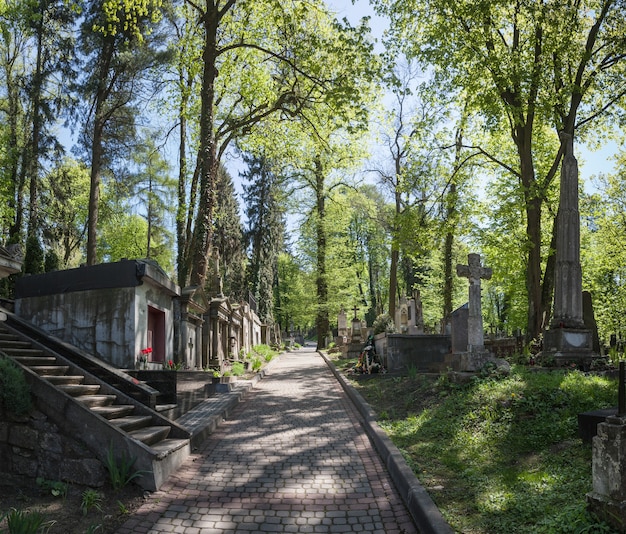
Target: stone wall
point(31, 446)
point(428, 353)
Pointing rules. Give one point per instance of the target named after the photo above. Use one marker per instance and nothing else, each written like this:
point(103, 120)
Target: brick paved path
point(293, 457)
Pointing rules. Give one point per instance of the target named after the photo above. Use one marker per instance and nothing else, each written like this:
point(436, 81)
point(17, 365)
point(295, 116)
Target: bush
point(238, 369)
point(383, 323)
point(14, 390)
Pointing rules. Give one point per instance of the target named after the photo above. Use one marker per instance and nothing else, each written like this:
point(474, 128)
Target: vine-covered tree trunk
point(322, 322)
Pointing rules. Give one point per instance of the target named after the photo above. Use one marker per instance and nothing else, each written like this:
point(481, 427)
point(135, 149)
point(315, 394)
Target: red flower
point(146, 350)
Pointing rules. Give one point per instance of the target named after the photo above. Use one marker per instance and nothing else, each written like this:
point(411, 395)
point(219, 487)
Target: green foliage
point(25, 522)
point(265, 352)
point(54, 487)
point(238, 369)
point(383, 323)
point(257, 363)
point(14, 390)
point(504, 449)
point(121, 471)
point(91, 499)
point(34, 256)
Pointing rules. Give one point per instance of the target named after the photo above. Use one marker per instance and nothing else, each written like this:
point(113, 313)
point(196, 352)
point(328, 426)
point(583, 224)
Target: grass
point(497, 454)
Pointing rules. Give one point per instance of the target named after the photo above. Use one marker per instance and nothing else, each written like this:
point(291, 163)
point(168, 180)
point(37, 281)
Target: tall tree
point(265, 232)
point(259, 59)
point(531, 64)
point(115, 53)
point(229, 238)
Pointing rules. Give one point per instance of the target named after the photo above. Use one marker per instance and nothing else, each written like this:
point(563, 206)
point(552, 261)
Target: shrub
point(383, 323)
point(238, 369)
point(14, 390)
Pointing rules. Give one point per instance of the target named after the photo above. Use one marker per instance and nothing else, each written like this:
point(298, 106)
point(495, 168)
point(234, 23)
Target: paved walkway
point(292, 457)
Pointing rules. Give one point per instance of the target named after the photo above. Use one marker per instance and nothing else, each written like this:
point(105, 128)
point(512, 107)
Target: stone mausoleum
point(132, 316)
point(114, 311)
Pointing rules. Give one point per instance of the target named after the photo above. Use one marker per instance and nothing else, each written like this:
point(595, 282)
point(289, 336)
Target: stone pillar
point(568, 290)
point(567, 340)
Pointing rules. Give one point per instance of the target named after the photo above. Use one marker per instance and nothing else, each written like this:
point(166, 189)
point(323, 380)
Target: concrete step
point(58, 380)
point(150, 434)
point(30, 361)
point(15, 343)
point(28, 351)
point(50, 370)
point(96, 400)
point(132, 422)
point(114, 411)
point(168, 446)
point(77, 390)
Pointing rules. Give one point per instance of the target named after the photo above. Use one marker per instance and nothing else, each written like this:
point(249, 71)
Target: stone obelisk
point(567, 340)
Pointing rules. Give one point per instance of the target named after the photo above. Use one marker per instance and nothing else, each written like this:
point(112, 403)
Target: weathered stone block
point(86, 471)
point(23, 437)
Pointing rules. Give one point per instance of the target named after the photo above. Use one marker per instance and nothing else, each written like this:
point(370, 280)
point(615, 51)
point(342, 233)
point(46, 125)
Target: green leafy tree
point(64, 200)
point(260, 60)
point(115, 52)
point(529, 66)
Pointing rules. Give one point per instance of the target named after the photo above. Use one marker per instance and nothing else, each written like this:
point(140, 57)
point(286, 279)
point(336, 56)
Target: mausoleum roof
point(121, 274)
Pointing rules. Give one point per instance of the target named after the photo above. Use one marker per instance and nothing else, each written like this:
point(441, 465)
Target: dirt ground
point(64, 514)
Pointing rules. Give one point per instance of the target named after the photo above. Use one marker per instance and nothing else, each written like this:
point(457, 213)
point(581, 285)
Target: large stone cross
point(475, 272)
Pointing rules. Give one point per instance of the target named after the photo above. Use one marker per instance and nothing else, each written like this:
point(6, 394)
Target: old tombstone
point(475, 272)
point(342, 326)
point(416, 316)
point(402, 316)
point(568, 339)
point(356, 327)
point(608, 469)
point(458, 328)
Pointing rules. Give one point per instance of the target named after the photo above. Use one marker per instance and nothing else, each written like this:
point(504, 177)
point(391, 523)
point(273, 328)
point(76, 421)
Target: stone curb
point(422, 508)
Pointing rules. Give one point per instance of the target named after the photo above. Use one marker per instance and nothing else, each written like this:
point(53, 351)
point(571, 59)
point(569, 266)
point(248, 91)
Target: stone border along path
point(292, 457)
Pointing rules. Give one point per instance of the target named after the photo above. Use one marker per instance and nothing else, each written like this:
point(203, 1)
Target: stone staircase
point(104, 417)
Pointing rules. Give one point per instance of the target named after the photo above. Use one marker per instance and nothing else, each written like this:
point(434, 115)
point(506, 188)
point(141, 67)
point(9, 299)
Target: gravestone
point(355, 346)
point(458, 328)
point(470, 342)
point(415, 325)
point(475, 272)
point(356, 328)
point(342, 322)
point(342, 327)
point(568, 340)
point(402, 316)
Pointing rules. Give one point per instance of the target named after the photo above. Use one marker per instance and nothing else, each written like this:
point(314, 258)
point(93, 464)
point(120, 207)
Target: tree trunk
point(322, 322)
point(181, 210)
point(533, 204)
point(97, 150)
point(395, 252)
point(207, 157)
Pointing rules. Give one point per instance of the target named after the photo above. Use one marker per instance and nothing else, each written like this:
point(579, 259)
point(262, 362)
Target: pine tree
point(265, 234)
point(229, 238)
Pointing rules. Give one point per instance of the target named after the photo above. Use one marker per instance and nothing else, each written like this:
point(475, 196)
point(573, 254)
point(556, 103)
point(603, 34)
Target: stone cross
point(475, 272)
point(356, 309)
